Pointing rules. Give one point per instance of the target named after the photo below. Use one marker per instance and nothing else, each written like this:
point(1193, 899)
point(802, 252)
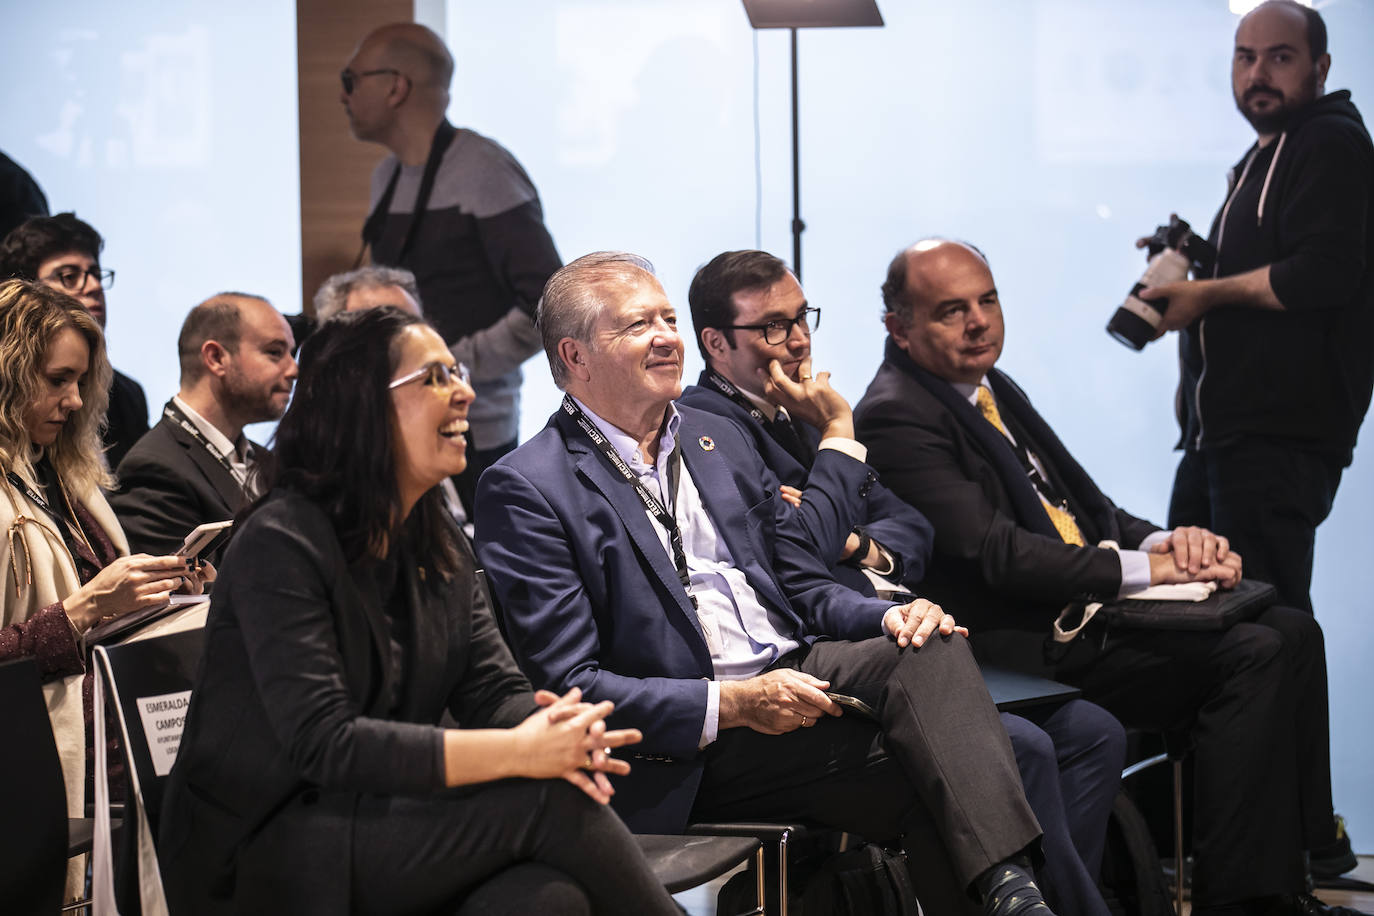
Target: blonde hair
point(31, 317)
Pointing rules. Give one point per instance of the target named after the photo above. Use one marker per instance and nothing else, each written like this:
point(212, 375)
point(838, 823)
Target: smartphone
point(853, 703)
point(202, 538)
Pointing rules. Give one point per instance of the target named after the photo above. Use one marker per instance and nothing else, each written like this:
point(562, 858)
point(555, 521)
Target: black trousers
point(1070, 757)
point(935, 772)
point(1268, 499)
point(1253, 702)
point(517, 846)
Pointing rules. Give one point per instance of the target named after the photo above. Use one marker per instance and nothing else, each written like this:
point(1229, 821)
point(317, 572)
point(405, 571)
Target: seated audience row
point(709, 568)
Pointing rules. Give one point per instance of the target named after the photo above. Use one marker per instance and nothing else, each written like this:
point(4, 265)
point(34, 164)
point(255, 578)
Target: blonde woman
point(63, 557)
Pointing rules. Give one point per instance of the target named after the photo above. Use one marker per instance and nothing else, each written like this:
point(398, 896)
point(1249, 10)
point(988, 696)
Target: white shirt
point(1135, 564)
point(743, 636)
point(240, 463)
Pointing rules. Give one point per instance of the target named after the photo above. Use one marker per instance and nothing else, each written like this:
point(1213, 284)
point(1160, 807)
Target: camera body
point(1173, 251)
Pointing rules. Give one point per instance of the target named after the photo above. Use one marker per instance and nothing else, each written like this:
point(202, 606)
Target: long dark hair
point(336, 444)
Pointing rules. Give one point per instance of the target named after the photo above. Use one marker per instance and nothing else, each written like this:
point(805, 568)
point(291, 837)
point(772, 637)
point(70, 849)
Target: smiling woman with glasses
point(349, 619)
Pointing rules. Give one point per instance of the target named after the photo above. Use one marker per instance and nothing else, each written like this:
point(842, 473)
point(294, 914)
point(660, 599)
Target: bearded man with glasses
point(64, 252)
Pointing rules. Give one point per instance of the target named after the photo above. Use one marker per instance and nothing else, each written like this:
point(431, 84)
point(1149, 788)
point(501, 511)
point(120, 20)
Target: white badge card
point(164, 719)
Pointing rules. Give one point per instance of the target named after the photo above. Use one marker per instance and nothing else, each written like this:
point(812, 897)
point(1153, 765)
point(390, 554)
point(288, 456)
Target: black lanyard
point(651, 502)
point(784, 431)
point(173, 413)
point(372, 229)
point(723, 385)
point(65, 527)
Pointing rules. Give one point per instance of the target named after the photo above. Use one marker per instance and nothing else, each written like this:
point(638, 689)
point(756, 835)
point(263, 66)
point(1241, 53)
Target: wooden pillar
point(335, 168)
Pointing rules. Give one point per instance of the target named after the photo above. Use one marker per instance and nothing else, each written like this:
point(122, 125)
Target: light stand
point(806, 14)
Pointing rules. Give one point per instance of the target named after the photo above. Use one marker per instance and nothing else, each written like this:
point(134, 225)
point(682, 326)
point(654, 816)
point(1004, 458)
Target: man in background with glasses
point(63, 252)
point(754, 325)
point(457, 210)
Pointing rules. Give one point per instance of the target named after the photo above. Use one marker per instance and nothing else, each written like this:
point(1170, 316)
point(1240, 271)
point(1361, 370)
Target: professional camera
point(1173, 250)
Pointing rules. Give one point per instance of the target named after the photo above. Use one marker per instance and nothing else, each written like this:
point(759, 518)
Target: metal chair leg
point(1178, 837)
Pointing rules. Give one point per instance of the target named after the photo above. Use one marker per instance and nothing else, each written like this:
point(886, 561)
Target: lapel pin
point(707, 444)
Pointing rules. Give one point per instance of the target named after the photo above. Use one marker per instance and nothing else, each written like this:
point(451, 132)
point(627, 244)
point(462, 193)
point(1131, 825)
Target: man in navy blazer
point(1018, 524)
point(753, 324)
point(641, 552)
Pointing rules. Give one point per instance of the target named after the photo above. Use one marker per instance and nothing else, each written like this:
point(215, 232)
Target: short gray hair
point(333, 293)
point(574, 296)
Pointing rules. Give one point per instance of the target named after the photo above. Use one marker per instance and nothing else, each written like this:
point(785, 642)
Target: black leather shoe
point(1307, 905)
point(1009, 890)
point(1334, 859)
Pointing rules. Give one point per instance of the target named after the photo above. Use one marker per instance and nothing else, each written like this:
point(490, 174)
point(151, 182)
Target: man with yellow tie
point(1019, 535)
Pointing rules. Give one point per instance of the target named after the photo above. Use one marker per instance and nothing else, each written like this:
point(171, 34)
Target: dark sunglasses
point(349, 78)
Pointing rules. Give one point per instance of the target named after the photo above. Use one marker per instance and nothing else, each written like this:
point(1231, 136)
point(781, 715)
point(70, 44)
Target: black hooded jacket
point(1304, 205)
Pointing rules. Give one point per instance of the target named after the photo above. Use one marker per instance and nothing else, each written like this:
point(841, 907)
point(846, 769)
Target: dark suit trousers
point(1070, 756)
point(1253, 702)
point(936, 771)
point(1268, 499)
point(517, 846)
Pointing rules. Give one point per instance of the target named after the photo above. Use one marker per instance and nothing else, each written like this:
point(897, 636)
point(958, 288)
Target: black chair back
point(152, 679)
point(33, 820)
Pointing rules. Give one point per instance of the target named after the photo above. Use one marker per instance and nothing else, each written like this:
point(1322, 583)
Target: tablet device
point(202, 538)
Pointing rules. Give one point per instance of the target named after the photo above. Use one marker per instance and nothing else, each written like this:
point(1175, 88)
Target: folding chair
point(685, 862)
point(148, 682)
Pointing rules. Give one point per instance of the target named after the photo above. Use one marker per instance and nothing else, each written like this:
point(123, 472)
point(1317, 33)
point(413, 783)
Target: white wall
point(1049, 132)
point(171, 128)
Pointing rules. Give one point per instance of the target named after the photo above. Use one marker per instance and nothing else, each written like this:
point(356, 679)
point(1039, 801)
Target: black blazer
point(127, 417)
point(168, 484)
point(290, 715)
point(999, 563)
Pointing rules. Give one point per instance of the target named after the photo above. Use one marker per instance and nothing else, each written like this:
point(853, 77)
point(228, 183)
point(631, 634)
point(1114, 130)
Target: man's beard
point(1277, 118)
point(253, 406)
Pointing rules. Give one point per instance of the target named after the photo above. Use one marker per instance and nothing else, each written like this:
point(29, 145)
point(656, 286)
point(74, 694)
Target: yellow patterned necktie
point(1061, 518)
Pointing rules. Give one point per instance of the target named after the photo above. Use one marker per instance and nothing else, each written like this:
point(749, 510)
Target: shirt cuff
point(711, 727)
point(1153, 539)
point(1135, 571)
point(851, 447)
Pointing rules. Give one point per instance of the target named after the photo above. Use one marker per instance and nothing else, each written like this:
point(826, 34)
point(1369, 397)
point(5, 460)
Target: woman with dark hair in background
point(313, 775)
point(63, 555)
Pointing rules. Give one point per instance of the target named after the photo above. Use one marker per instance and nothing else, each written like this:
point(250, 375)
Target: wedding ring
point(803, 721)
point(804, 378)
point(589, 760)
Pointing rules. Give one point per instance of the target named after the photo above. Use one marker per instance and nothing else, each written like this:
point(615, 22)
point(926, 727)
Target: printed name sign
point(164, 718)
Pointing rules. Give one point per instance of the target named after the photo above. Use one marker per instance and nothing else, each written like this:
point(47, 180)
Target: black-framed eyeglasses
point(73, 278)
point(779, 329)
point(349, 78)
point(439, 375)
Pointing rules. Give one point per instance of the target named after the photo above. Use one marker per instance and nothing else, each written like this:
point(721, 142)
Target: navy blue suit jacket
point(884, 516)
point(590, 598)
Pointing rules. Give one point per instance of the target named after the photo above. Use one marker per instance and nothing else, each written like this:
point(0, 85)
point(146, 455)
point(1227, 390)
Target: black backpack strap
point(372, 228)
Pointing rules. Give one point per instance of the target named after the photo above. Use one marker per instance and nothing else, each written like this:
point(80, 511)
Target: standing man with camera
point(1276, 347)
point(458, 211)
